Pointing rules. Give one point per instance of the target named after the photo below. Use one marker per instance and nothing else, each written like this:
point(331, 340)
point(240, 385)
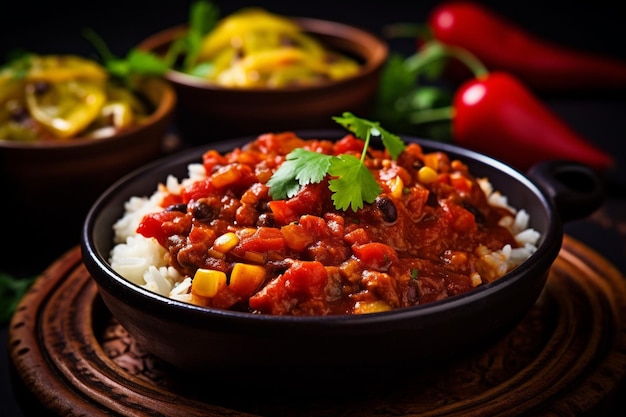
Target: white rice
point(143, 261)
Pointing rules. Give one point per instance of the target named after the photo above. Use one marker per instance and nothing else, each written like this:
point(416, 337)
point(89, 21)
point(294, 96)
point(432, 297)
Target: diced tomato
point(171, 199)
point(264, 239)
point(164, 224)
point(460, 219)
point(283, 214)
point(315, 226)
point(211, 159)
point(201, 236)
point(281, 143)
point(335, 223)
point(310, 200)
point(349, 144)
point(302, 281)
point(461, 183)
point(306, 279)
point(198, 189)
point(375, 255)
point(357, 237)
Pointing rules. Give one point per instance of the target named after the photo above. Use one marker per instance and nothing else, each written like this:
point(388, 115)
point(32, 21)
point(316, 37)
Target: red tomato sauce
point(415, 244)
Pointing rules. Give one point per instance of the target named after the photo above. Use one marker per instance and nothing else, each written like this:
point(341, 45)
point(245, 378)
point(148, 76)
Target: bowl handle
point(576, 189)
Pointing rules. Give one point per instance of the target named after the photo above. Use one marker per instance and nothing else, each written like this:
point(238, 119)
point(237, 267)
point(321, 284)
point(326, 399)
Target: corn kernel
point(426, 175)
point(245, 279)
point(367, 307)
point(215, 254)
point(396, 186)
point(225, 242)
point(207, 282)
point(476, 279)
point(254, 257)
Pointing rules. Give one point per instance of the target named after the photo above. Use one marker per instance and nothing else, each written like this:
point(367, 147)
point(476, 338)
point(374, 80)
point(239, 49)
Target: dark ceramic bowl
point(48, 187)
point(241, 346)
point(207, 112)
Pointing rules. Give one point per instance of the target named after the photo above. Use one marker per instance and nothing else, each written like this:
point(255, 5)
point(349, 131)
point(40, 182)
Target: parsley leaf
point(351, 181)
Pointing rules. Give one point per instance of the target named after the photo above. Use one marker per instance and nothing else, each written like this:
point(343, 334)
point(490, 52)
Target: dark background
point(56, 27)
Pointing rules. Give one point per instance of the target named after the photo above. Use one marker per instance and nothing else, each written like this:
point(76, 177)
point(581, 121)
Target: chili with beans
point(422, 240)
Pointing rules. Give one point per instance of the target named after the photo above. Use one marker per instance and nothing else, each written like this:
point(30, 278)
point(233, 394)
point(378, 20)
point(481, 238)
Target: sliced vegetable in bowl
point(61, 97)
point(254, 48)
point(68, 129)
point(208, 111)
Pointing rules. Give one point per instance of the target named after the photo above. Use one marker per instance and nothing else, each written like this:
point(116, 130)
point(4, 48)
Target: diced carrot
point(296, 236)
point(375, 255)
point(245, 279)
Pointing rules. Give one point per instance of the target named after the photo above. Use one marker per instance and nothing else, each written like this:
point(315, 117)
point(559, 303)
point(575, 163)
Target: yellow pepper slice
point(232, 29)
point(11, 88)
point(60, 68)
point(255, 48)
point(66, 108)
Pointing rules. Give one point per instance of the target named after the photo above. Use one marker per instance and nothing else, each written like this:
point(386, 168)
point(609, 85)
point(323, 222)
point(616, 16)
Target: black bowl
point(239, 347)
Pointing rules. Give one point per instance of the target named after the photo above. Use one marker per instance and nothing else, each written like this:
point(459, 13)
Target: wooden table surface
point(567, 357)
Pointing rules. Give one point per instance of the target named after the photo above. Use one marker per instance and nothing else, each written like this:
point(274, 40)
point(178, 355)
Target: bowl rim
point(540, 260)
point(165, 108)
point(378, 51)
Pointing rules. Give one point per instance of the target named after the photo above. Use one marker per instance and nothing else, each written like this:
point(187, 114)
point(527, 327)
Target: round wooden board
point(567, 357)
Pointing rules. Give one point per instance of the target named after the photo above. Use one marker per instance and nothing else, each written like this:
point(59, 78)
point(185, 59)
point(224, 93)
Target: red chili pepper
point(497, 115)
point(502, 45)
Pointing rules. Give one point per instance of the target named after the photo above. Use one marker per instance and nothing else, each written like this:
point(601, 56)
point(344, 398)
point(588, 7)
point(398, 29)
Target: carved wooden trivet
point(567, 357)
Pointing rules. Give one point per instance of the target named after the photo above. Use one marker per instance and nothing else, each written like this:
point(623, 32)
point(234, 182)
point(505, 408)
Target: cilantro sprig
point(351, 182)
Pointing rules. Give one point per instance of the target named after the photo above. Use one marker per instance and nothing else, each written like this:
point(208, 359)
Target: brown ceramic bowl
point(277, 353)
point(207, 112)
point(49, 186)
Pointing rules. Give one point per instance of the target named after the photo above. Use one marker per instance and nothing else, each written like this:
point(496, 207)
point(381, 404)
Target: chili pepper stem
point(432, 115)
point(434, 51)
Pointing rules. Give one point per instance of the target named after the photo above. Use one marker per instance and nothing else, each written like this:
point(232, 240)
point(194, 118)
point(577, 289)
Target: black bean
point(478, 216)
point(387, 209)
point(265, 220)
point(263, 206)
point(203, 211)
point(417, 164)
point(177, 207)
point(432, 200)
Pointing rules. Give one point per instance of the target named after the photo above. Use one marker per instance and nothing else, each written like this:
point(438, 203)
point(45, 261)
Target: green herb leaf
point(11, 292)
point(352, 183)
point(135, 63)
point(203, 16)
point(145, 63)
point(363, 129)
point(300, 168)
